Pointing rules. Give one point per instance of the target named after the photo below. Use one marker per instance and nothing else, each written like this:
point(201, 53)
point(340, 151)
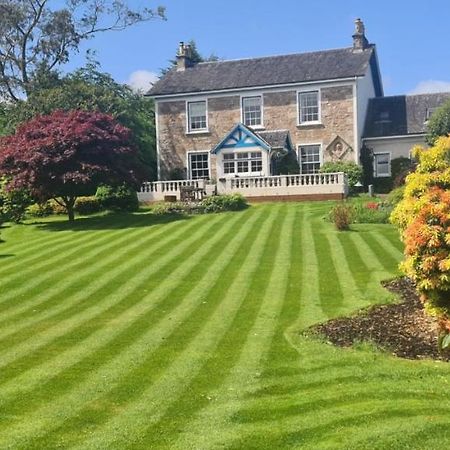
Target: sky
point(411, 36)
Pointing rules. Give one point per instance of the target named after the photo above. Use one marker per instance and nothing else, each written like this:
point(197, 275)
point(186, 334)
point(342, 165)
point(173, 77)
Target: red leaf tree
point(68, 154)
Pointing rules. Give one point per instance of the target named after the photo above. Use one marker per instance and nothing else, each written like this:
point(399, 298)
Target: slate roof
point(401, 115)
point(276, 138)
point(271, 70)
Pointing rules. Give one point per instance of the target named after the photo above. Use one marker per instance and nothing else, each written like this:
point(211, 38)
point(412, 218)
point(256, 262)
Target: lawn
point(133, 331)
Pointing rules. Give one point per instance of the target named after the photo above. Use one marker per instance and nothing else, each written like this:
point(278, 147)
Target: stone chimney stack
point(184, 57)
point(360, 41)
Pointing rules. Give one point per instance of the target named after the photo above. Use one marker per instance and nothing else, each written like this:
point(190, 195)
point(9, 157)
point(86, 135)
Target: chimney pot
point(184, 56)
point(360, 41)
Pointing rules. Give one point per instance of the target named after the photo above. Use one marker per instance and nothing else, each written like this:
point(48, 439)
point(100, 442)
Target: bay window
point(242, 163)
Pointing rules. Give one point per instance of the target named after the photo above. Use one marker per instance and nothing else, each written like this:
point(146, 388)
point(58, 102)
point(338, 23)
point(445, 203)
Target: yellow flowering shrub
point(423, 217)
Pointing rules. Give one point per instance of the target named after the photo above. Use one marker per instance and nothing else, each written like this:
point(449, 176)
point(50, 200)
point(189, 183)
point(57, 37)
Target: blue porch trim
point(243, 134)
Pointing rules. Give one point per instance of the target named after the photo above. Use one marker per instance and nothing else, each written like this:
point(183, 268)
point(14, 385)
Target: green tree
point(91, 90)
point(37, 36)
point(197, 57)
point(439, 124)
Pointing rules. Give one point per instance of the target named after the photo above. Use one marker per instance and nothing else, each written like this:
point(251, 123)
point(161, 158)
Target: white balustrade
point(286, 185)
point(155, 191)
point(273, 186)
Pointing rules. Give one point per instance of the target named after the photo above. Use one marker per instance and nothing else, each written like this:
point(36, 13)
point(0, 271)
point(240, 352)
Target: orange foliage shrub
point(423, 217)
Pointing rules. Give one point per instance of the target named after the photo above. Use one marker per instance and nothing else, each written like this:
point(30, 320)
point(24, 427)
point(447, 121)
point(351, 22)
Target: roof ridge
point(427, 93)
point(277, 56)
point(374, 99)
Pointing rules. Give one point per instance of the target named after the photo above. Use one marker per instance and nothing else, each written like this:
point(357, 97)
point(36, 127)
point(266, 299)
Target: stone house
point(396, 124)
point(231, 118)
point(236, 119)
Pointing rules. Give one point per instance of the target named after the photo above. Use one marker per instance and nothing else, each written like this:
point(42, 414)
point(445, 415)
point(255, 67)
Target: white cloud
point(431, 86)
point(141, 80)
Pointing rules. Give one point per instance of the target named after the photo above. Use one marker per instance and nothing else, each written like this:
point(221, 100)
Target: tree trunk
point(70, 213)
point(69, 204)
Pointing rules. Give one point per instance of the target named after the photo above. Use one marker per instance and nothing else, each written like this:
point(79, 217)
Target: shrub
point(177, 208)
point(439, 124)
point(423, 217)
point(400, 169)
point(353, 171)
point(13, 203)
point(371, 212)
point(213, 204)
point(219, 203)
point(342, 215)
point(40, 209)
point(395, 196)
point(87, 205)
point(120, 198)
point(57, 208)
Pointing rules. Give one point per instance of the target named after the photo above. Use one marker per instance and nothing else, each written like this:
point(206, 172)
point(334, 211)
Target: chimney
point(184, 57)
point(360, 41)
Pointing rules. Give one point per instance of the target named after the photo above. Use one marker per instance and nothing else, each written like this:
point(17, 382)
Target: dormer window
point(308, 107)
point(252, 111)
point(197, 116)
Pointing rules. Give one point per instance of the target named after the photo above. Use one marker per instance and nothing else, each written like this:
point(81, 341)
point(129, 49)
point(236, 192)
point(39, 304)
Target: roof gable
point(240, 137)
point(266, 71)
point(277, 139)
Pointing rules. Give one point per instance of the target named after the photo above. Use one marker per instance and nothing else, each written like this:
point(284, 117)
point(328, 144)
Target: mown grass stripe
point(311, 310)
point(305, 394)
point(376, 268)
point(49, 300)
point(385, 257)
point(352, 294)
point(101, 380)
point(17, 269)
point(54, 262)
point(386, 244)
point(330, 291)
point(393, 236)
point(212, 374)
point(142, 272)
point(154, 365)
point(154, 401)
point(44, 239)
point(357, 265)
point(137, 319)
point(246, 374)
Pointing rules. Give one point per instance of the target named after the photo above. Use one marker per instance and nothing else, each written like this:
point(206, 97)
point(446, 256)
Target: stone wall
point(280, 112)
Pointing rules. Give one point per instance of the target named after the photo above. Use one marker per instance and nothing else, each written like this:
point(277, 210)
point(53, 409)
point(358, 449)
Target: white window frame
point(188, 119)
point(188, 163)
point(319, 100)
point(249, 162)
point(375, 172)
point(309, 144)
point(251, 95)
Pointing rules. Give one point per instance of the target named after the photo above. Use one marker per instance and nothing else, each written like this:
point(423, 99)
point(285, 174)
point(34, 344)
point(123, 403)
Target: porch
point(320, 186)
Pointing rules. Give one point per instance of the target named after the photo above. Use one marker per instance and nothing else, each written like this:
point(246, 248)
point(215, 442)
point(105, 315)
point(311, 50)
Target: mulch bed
point(402, 328)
